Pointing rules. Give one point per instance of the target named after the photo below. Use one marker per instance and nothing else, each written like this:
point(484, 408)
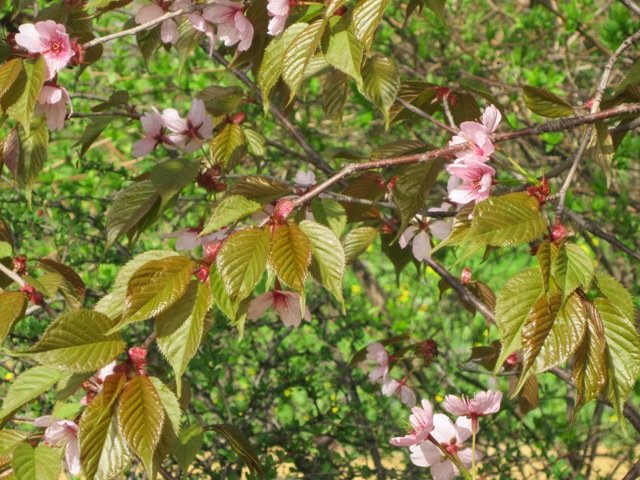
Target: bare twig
point(425, 115)
point(12, 275)
point(631, 5)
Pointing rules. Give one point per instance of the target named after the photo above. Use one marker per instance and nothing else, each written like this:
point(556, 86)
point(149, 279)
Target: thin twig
point(447, 112)
point(12, 275)
point(421, 113)
point(631, 5)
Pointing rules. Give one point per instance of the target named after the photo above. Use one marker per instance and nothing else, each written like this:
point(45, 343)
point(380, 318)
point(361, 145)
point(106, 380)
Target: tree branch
point(631, 5)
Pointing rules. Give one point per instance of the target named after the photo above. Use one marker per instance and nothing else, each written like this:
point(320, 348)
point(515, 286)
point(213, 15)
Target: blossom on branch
point(279, 12)
point(391, 386)
point(233, 26)
point(421, 420)
point(482, 404)
point(286, 304)
point(62, 432)
point(470, 182)
point(50, 40)
point(154, 130)
point(417, 233)
point(189, 134)
point(377, 355)
point(169, 27)
point(52, 103)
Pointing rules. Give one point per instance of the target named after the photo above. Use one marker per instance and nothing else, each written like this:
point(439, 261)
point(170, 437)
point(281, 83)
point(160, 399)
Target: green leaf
point(171, 176)
point(129, 208)
point(33, 154)
point(78, 342)
point(22, 110)
point(181, 327)
point(329, 255)
point(256, 143)
point(140, 418)
point(262, 190)
point(616, 293)
point(221, 100)
point(148, 42)
point(170, 403)
point(40, 463)
point(290, 255)
point(601, 150)
point(101, 449)
point(623, 352)
point(241, 445)
point(14, 305)
point(6, 250)
point(92, 132)
point(155, 287)
point(545, 103)
point(28, 386)
point(9, 440)
point(228, 146)
point(513, 304)
point(460, 228)
point(412, 187)
point(572, 269)
point(437, 6)
point(507, 220)
point(357, 241)
point(188, 445)
point(590, 364)
point(71, 286)
point(242, 260)
point(299, 53)
point(344, 52)
point(231, 209)
point(11, 82)
point(334, 94)
point(381, 83)
point(367, 15)
point(330, 213)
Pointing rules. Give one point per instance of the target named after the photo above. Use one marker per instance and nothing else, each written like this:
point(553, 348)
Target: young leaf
point(28, 386)
point(242, 260)
point(171, 176)
point(357, 241)
point(231, 209)
point(334, 94)
point(344, 52)
point(330, 213)
point(601, 150)
point(290, 255)
point(33, 154)
point(180, 328)
point(221, 100)
point(241, 445)
point(14, 305)
point(328, 253)
point(10, 78)
point(188, 445)
point(545, 103)
point(71, 286)
point(9, 441)
point(381, 83)
point(299, 53)
point(228, 146)
point(22, 109)
point(616, 293)
point(507, 220)
point(78, 342)
point(40, 463)
point(572, 269)
point(367, 15)
point(262, 190)
point(170, 403)
point(140, 418)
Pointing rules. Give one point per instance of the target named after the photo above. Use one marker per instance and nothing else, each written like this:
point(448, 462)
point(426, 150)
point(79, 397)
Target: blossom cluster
point(378, 357)
point(471, 178)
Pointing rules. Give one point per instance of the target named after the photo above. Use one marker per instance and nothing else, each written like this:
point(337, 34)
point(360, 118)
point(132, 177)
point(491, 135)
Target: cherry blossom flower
point(189, 134)
point(391, 387)
point(189, 238)
point(154, 130)
point(233, 26)
point(62, 432)
point(279, 12)
point(52, 103)
point(450, 437)
point(49, 39)
point(479, 134)
point(377, 354)
point(421, 420)
point(199, 23)
point(95, 383)
point(286, 304)
point(471, 182)
point(482, 404)
point(417, 233)
point(169, 27)
point(304, 179)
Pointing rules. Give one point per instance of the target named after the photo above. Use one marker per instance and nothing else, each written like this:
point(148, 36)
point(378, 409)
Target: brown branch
point(634, 473)
point(631, 5)
point(421, 113)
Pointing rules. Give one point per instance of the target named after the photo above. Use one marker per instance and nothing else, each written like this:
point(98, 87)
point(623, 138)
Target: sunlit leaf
point(290, 255)
point(231, 209)
point(28, 386)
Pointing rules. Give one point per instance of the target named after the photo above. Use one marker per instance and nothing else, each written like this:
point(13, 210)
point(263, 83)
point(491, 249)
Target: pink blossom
point(482, 404)
point(421, 420)
point(233, 26)
point(168, 28)
point(49, 39)
point(189, 134)
point(450, 437)
point(377, 354)
point(286, 304)
point(479, 134)
point(189, 238)
point(96, 382)
point(199, 23)
point(62, 432)
point(407, 396)
point(279, 12)
point(470, 182)
point(417, 233)
point(52, 103)
point(304, 179)
point(154, 130)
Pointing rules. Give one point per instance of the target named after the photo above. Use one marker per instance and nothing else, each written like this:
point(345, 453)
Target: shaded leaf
point(171, 176)
point(170, 403)
point(14, 305)
point(188, 445)
point(72, 287)
point(381, 83)
point(28, 386)
point(261, 189)
point(601, 150)
point(228, 146)
point(221, 100)
point(12, 80)
point(572, 269)
point(299, 53)
point(22, 109)
point(231, 209)
point(40, 463)
point(616, 293)
point(33, 154)
point(357, 241)
point(330, 213)
point(334, 95)
point(241, 446)
point(545, 103)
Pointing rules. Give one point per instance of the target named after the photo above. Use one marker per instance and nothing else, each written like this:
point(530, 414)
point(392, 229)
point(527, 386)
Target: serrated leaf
point(140, 418)
point(601, 150)
point(545, 103)
point(33, 154)
point(9, 440)
point(28, 386)
point(262, 190)
point(460, 228)
point(71, 286)
point(344, 52)
point(231, 209)
point(328, 253)
point(128, 209)
point(171, 176)
point(242, 260)
point(170, 403)
point(513, 304)
point(616, 293)
point(256, 143)
point(507, 220)
point(10, 73)
point(590, 364)
point(228, 146)
point(572, 269)
point(299, 53)
point(221, 100)
point(623, 352)
point(334, 94)
point(78, 342)
point(155, 287)
point(14, 305)
point(22, 109)
point(412, 187)
point(241, 446)
point(290, 255)
point(330, 213)
point(188, 445)
point(381, 83)
point(180, 328)
point(357, 241)
point(100, 450)
point(367, 15)
point(40, 463)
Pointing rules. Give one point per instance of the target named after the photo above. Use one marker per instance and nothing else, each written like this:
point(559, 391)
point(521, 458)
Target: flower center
point(56, 46)
point(452, 448)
